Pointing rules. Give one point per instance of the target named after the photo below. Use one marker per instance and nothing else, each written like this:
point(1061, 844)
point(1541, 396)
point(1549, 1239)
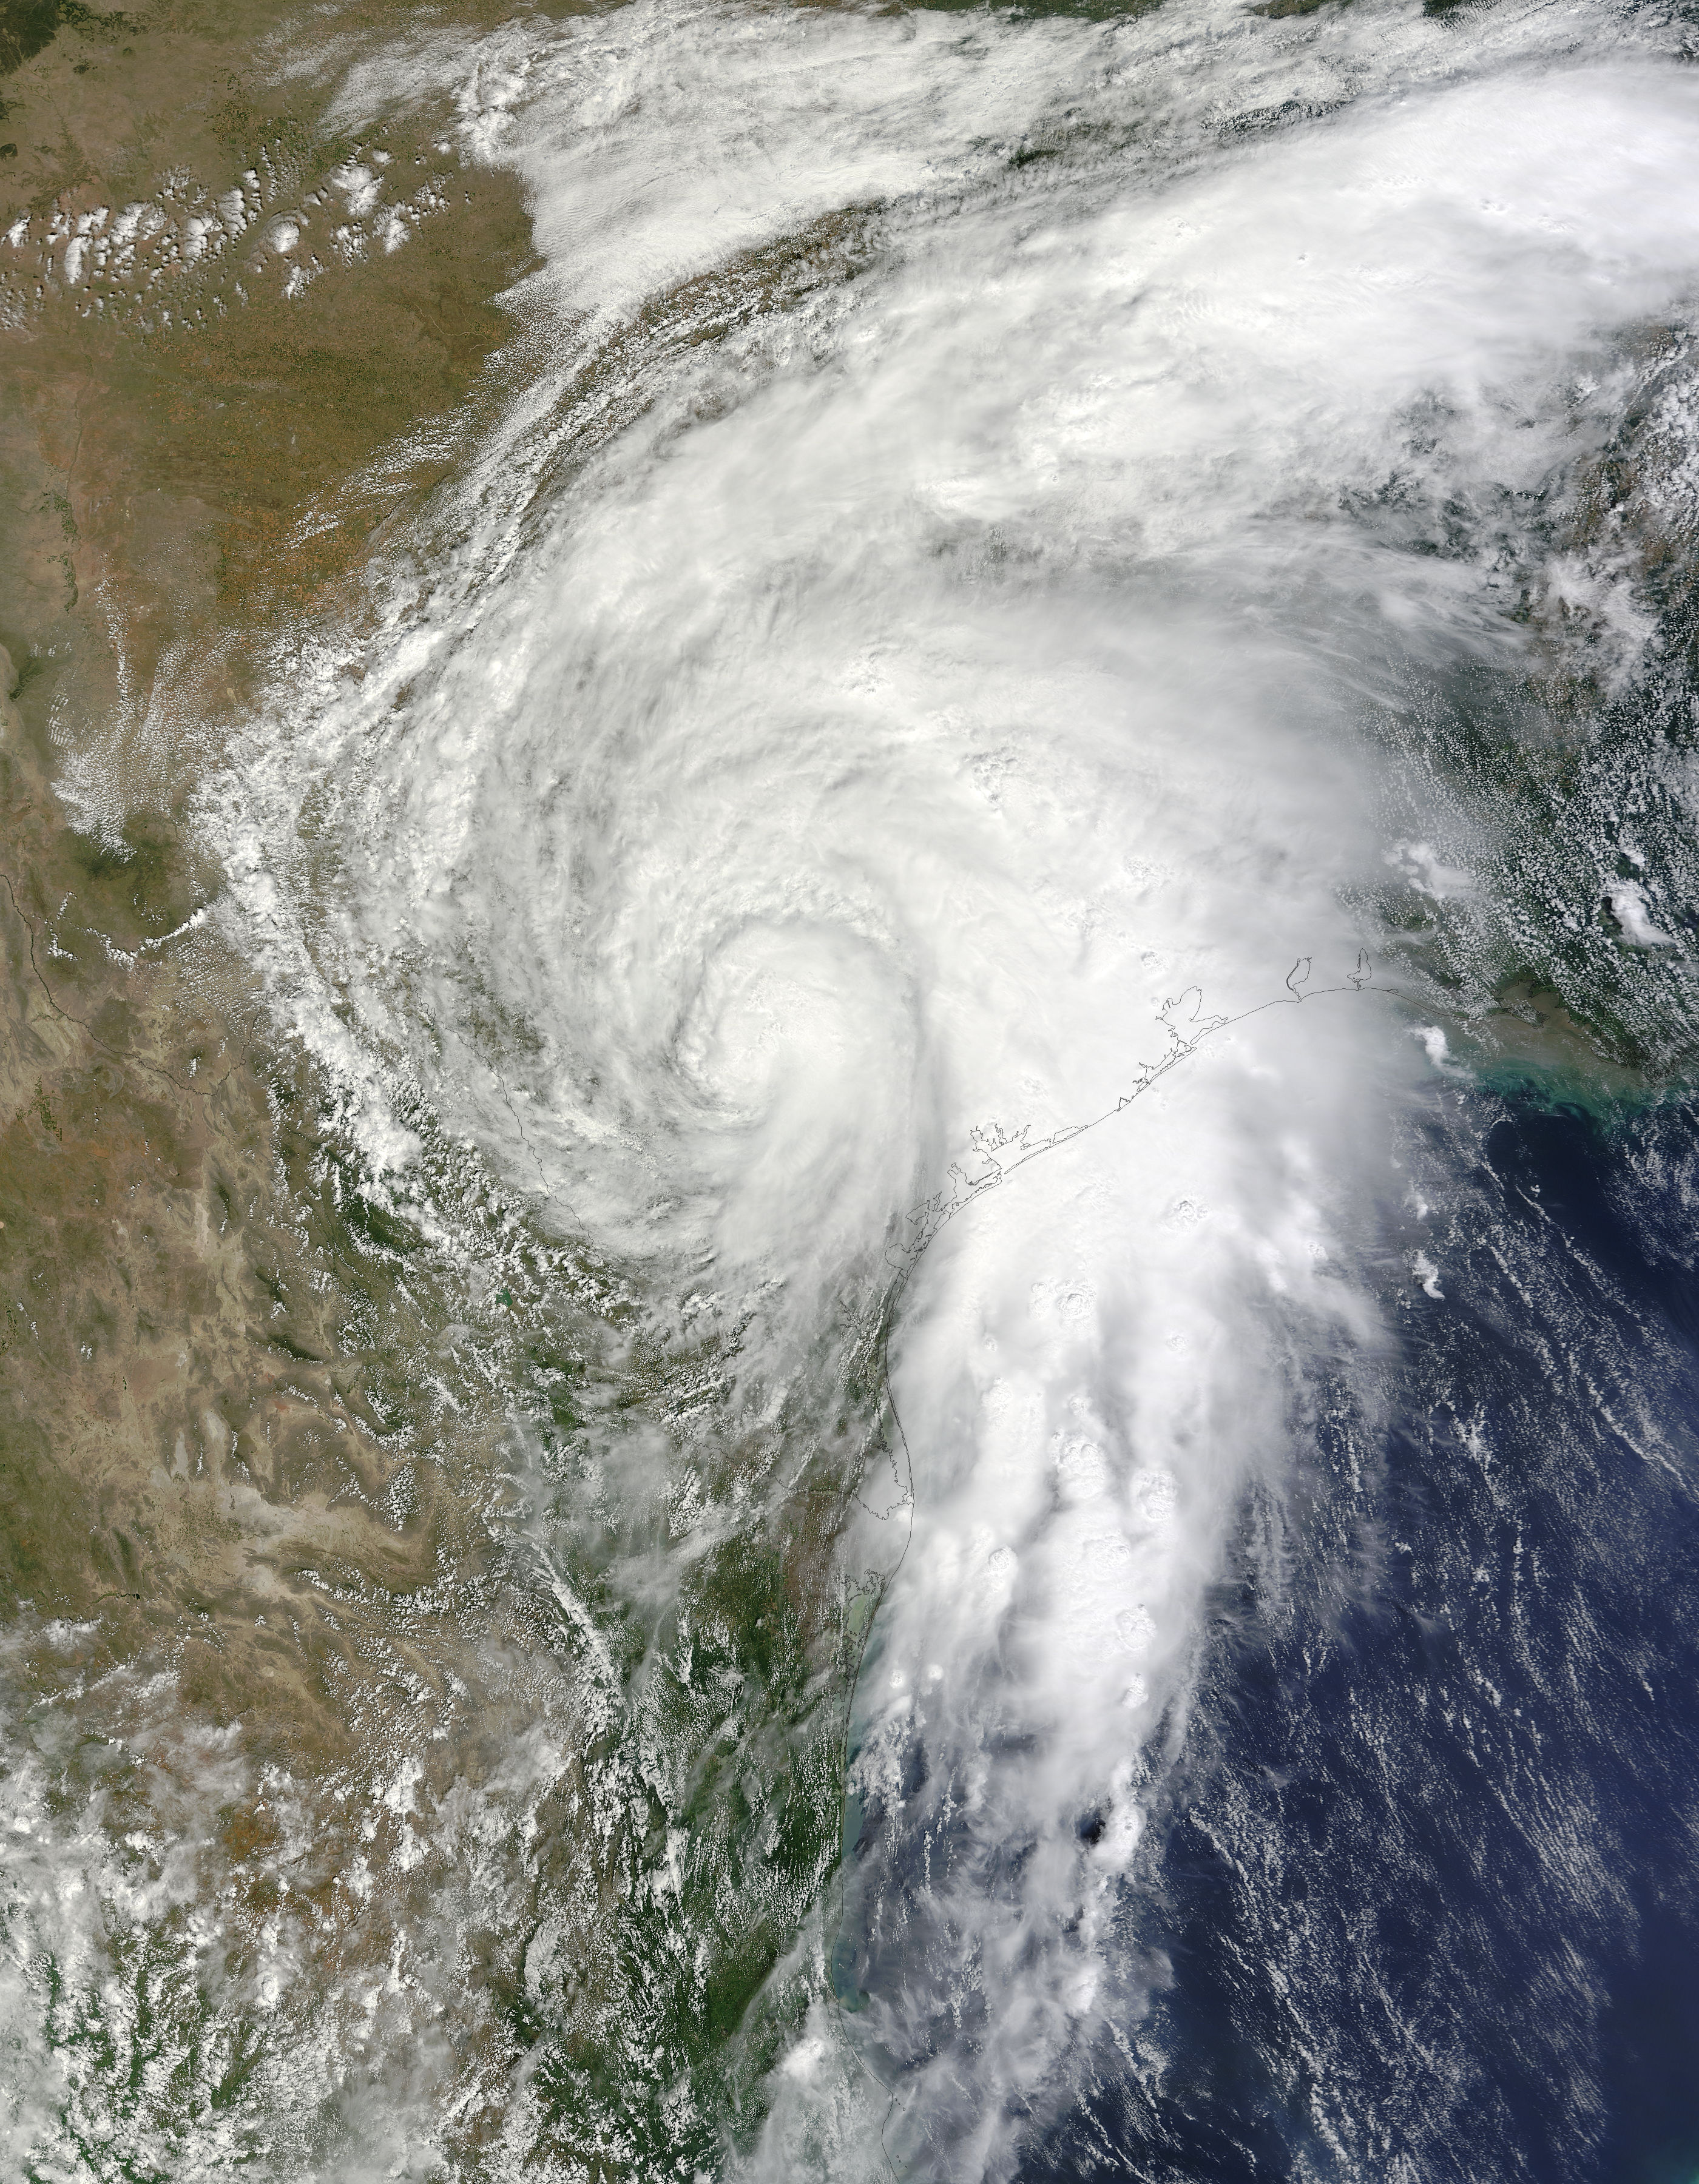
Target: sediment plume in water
point(864, 868)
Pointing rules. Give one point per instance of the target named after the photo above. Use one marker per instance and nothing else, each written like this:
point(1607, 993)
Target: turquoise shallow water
point(824, 879)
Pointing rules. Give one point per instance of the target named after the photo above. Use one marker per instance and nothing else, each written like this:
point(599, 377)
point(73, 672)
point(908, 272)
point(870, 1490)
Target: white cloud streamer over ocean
point(923, 613)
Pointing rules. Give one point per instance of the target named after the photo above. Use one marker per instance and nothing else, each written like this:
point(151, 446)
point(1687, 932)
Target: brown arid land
point(225, 1572)
point(185, 1412)
point(283, 1676)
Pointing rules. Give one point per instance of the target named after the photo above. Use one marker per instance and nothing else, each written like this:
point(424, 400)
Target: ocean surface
point(1002, 884)
point(1424, 1901)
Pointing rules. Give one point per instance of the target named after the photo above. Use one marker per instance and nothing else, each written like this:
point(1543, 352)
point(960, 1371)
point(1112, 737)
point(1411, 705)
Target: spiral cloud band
point(922, 649)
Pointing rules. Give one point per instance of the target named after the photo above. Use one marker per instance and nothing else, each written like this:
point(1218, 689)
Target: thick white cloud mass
point(918, 621)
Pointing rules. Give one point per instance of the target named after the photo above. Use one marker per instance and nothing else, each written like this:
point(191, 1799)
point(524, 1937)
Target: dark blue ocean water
point(1423, 1905)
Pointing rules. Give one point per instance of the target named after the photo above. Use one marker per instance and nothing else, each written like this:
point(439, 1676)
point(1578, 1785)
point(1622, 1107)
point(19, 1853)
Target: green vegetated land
point(267, 1544)
point(311, 1570)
